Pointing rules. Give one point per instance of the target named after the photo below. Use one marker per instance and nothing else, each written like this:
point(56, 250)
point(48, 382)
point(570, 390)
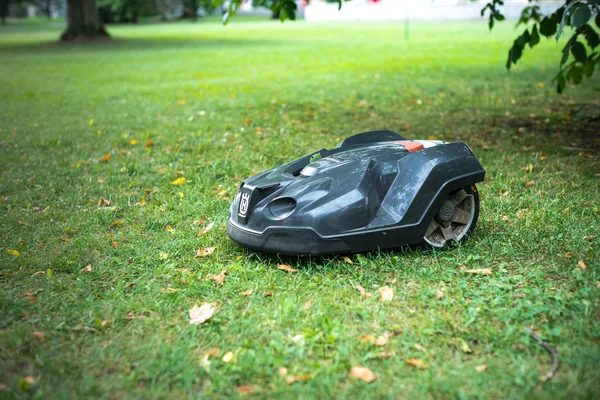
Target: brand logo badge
point(244, 203)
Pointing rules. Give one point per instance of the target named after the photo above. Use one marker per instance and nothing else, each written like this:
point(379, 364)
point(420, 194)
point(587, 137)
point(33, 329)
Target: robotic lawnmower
point(375, 190)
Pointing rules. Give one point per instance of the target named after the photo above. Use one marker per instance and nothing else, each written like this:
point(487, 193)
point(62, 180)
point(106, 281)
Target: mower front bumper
point(286, 241)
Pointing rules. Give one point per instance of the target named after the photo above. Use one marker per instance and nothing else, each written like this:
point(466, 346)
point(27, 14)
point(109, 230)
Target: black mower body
point(369, 192)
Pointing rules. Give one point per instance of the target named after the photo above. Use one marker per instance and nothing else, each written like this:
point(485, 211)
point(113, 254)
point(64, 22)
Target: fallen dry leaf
point(246, 292)
point(506, 219)
point(267, 294)
point(307, 305)
point(206, 229)
point(589, 238)
point(205, 252)
point(368, 338)
point(420, 348)
point(131, 316)
point(205, 363)
point(149, 143)
point(214, 352)
point(14, 253)
point(41, 336)
point(102, 202)
point(481, 368)
point(179, 181)
point(417, 363)
point(169, 290)
point(362, 373)
point(298, 378)
point(286, 267)
point(530, 184)
point(228, 357)
point(483, 271)
point(387, 294)
point(199, 315)
point(347, 260)
point(363, 292)
point(115, 244)
point(581, 264)
point(383, 339)
point(245, 389)
point(218, 278)
point(38, 273)
point(282, 371)
point(439, 295)
point(3, 386)
point(105, 158)
point(384, 355)
point(162, 255)
point(569, 254)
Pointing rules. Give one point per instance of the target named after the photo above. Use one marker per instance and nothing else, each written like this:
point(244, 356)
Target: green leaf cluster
point(576, 14)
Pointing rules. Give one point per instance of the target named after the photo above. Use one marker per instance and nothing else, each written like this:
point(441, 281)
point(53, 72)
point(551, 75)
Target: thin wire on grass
point(553, 352)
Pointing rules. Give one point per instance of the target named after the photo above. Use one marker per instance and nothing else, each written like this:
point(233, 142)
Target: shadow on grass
point(133, 44)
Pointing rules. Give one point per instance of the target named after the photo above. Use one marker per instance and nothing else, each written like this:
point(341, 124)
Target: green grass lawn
point(92, 136)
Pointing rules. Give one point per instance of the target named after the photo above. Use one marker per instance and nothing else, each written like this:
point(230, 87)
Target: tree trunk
point(47, 7)
point(4, 10)
point(83, 21)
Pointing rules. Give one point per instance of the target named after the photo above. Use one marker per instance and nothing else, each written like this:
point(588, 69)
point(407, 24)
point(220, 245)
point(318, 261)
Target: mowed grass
point(92, 135)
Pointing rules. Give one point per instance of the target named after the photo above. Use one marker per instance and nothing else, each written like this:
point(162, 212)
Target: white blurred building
point(420, 10)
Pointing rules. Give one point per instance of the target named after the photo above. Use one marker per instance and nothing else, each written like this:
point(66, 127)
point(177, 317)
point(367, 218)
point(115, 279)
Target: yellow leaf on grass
point(383, 339)
point(589, 238)
point(420, 348)
point(203, 252)
point(387, 294)
point(219, 278)
point(179, 181)
point(417, 363)
point(483, 271)
point(581, 264)
point(246, 292)
point(439, 295)
point(162, 255)
point(169, 290)
point(362, 373)
point(363, 292)
point(481, 368)
point(14, 253)
point(199, 315)
point(347, 260)
point(228, 357)
point(286, 267)
point(87, 268)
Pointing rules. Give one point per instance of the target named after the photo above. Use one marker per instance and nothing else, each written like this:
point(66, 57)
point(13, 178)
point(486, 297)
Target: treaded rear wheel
point(455, 220)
